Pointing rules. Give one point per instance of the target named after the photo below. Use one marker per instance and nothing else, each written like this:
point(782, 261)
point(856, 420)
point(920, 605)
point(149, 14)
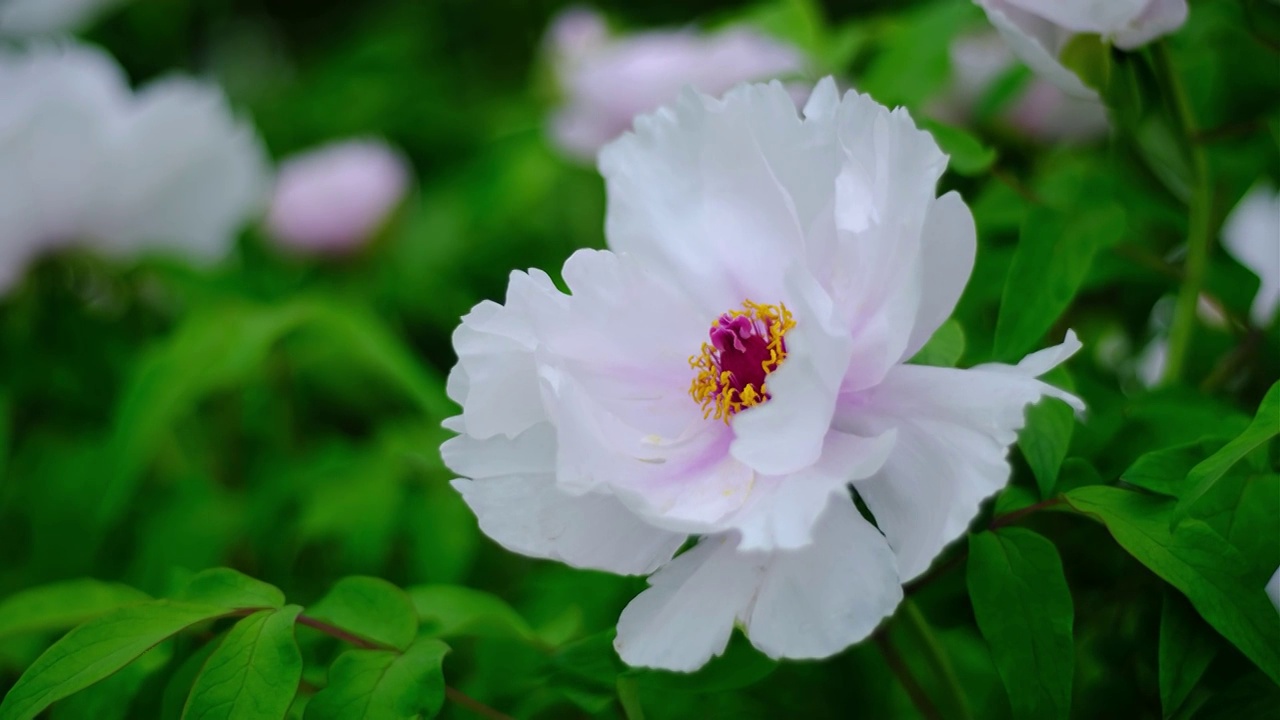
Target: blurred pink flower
point(1041, 111)
point(609, 81)
point(1038, 30)
point(334, 198)
point(85, 160)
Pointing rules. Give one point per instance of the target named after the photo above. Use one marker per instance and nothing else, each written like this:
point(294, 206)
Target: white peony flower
point(1038, 30)
point(1041, 110)
point(1252, 234)
point(49, 17)
point(332, 199)
point(609, 81)
point(85, 160)
point(604, 427)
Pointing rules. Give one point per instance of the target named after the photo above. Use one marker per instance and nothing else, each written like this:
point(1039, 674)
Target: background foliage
point(282, 416)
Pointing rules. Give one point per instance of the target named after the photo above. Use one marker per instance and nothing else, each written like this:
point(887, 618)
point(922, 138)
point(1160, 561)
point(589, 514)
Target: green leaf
point(1195, 560)
point(968, 156)
point(453, 611)
point(929, 660)
point(1265, 425)
point(1165, 471)
point(254, 673)
point(1047, 435)
point(228, 588)
point(371, 608)
point(1024, 610)
point(97, 649)
point(944, 348)
point(381, 684)
point(1055, 250)
point(63, 604)
point(1186, 649)
point(1090, 58)
point(111, 698)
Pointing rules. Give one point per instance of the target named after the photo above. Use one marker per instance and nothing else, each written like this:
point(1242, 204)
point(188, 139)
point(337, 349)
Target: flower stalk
point(1200, 221)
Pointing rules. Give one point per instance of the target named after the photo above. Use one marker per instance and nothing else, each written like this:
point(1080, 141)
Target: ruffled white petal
point(818, 600)
point(513, 493)
point(1252, 234)
point(954, 430)
point(807, 603)
point(677, 187)
point(496, 379)
point(950, 243)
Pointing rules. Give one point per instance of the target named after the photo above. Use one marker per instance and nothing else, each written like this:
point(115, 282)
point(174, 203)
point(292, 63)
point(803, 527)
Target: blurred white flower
point(609, 81)
point(84, 160)
point(604, 427)
point(1038, 30)
point(49, 17)
point(1041, 110)
point(1273, 589)
point(332, 199)
point(1252, 234)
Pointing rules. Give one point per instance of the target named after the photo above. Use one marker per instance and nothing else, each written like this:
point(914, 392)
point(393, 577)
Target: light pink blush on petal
point(331, 200)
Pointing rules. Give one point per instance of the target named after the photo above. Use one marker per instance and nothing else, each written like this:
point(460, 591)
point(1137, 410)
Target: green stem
point(1200, 230)
point(948, 684)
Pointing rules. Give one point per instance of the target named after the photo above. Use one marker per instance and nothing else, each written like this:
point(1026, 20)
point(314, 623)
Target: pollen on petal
point(745, 347)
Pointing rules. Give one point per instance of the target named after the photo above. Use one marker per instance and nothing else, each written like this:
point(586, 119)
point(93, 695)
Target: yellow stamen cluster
point(713, 388)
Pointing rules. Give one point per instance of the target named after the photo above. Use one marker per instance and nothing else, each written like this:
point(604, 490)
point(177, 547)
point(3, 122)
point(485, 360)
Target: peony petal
point(1160, 17)
point(1252, 234)
point(704, 192)
point(954, 430)
point(807, 603)
point(818, 600)
point(950, 243)
point(496, 379)
point(530, 515)
point(1101, 17)
point(686, 616)
point(783, 510)
point(1036, 42)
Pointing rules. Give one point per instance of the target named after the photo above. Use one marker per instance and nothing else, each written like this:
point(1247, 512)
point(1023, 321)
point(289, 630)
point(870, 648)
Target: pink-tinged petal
point(1252, 234)
point(783, 510)
point(954, 430)
point(334, 198)
point(950, 243)
point(610, 81)
point(820, 599)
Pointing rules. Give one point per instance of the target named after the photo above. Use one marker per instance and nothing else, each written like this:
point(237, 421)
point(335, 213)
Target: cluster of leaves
point(281, 416)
